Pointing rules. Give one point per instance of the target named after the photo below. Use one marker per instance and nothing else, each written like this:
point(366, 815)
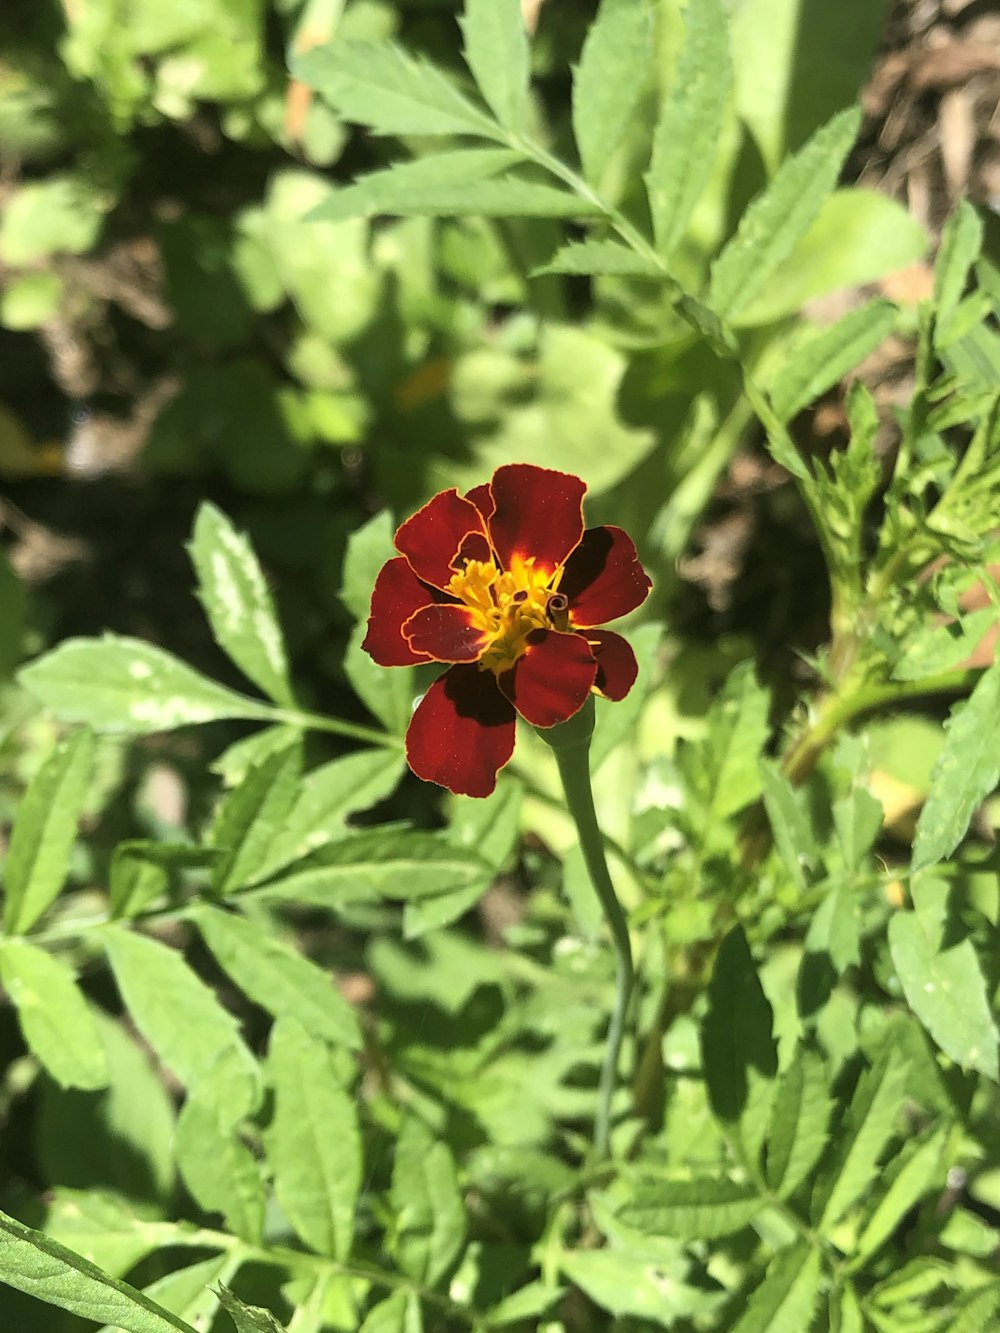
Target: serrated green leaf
point(857, 818)
point(789, 819)
point(398, 1313)
point(405, 186)
point(832, 944)
point(967, 770)
point(977, 1312)
point(326, 798)
point(739, 1054)
point(381, 863)
point(907, 1180)
point(961, 241)
point(368, 549)
point(429, 1213)
point(845, 1311)
point(776, 219)
point(690, 123)
point(55, 1019)
point(419, 194)
point(45, 830)
point(701, 1209)
point(785, 1300)
point(496, 51)
point(722, 769)
point(281, 981)
point(116, 683)
point(943, 980)
point(313, 1142)
point(248, 1318)
point(251, 814)
point(190, 1293)
point(860, 1140)
point(387, 694)
point(33, 1263)
point(220, 1171)
point(605, 258)
point(142, 870)
point(824, 356)
point(235, 761)
point(100, 1225)
point(537, 1298)
point(182, 1020)
point(379, 85)
point(608, 81)
point(800, 1122)
point(616, 722)
point(238, 602)
point(629, 1284)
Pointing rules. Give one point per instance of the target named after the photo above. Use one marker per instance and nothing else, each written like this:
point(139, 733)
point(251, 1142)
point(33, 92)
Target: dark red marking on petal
point(552, 680)
point(603, 578)
point(397, 595)
point(432, 538)
point(538, 513)
point(446, 632)
point(474, 547)
point(462, 732)
point(482, 498)
point(616, 664)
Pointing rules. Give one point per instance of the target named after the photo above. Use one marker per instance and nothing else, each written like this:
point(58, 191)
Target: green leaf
point(800, 1123)
point(248, 1318)
point(785, 1300)
point(387, 694)
point(629, 1283)
point(441, 191)
point(313, 1143)
point(908, 1179)
point(120, 684)
point(101, 1226)
point(608, 81)
point(845, 1311)
point(832, 944)
point(690, 123)
point(496, 51)
point(190, 1292)
point(823, 356)
point(368, 549)
point(722, 769)
point(978, 1310)
point(237, 600)
point(235, 762)
point(60, 213)
point(280, 980)
point(934, 648)
point(857, 818)
point(32, 1262)
point(137, 878)
point(606, 258)
point(860, 1140)
point(739, 1054)
point(54, 1016)
point(413, 187)
point(537, 1298)
point(380, 863)
point(857, 237)
point(45, 830)
point(326, 798)
point(220, 1171)
point(789, 819)
point(430, 1226)
point(379, 85)
point(967, 770)
point(181, 1018)
point(701, 1209)
point(943, 980)
point(251, 814)
point(776, 219)
point(961, 242)
point(398, 1313)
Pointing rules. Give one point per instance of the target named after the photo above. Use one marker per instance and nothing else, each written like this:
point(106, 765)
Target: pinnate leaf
point(45, 830)
point(908, 1179)
point(218, 1168)
point(820, 359)
point(54, 1016)
point(690, 121)
point(251, 814)
point(496, 51)
point(785, 1300)
point(701, 1209)
point(413, 187)
point(605, 258)
point(608, 82)
point(238, 602)
point(800, 1121)
point(116, 683)
point(248, 1318)
point(430, 1214)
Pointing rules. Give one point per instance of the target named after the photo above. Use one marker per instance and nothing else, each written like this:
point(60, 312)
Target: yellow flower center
point(508, 605)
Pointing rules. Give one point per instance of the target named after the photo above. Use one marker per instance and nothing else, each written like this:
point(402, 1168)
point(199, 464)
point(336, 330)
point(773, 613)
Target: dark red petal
point(538, 513)
point(616, 664)
point(446, 632)
point(462, 732)
point(474, 547)
point(552, 680)
point(482, 498)
point(431, 539)
point(398, 594)
point(603, 578)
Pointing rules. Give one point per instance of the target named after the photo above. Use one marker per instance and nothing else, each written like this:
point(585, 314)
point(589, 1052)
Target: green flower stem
point(570, 742)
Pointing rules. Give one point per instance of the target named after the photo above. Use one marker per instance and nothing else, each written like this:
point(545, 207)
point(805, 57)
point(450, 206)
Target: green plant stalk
point(570, 742)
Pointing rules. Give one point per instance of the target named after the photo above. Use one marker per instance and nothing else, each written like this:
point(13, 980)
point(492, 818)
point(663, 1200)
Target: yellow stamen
point(507, 605)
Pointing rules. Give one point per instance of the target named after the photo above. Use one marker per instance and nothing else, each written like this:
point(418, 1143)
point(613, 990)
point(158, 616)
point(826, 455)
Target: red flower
point(506, 586)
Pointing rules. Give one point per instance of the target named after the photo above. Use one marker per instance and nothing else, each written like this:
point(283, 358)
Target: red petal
point(482, 498)
point(446, 632)
point(398, 594)
point(431, 539)
point(538, 513)
point(462, 732)
point(603, 578)
point(552, 680)
point(616, 664)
